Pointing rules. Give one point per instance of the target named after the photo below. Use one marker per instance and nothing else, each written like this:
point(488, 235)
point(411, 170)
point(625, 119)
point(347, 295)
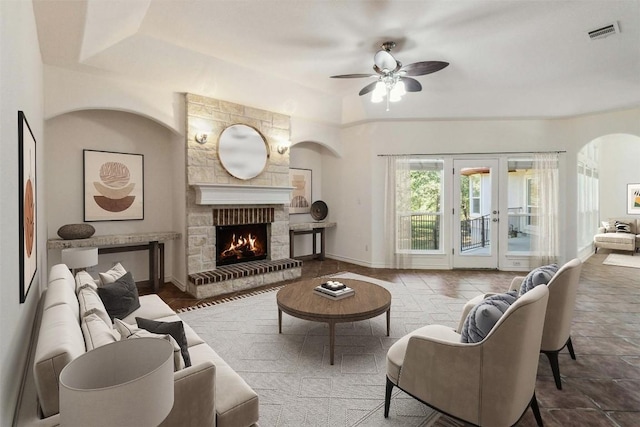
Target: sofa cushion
point(96, 332)
point(60, 341)
point(61, 272)
point(151, 307)
point(113, 274)
point(483, 317)
point(89, 300)
point(236, 402)
point(120, 298)
point(538, 276)
point(127, 331)
point(84, 279)
point(59, 292)
point(175, 329)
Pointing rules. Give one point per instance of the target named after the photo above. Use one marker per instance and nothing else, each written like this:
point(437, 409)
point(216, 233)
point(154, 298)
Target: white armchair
point(556, 334)
point(489, 383)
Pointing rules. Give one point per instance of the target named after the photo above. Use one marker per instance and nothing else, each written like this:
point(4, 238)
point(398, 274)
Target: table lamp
point(124, 383)
point(80, 258)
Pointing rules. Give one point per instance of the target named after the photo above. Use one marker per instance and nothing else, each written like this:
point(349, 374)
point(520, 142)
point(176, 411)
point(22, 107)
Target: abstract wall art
point(300, 180)
point(113, 186)
point(28, 231)
point(633, 199)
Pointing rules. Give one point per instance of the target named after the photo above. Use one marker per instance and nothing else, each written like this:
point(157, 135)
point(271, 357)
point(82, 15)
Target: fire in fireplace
point(240, 243)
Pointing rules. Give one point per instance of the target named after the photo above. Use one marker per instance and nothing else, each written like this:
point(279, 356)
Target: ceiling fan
point(393, 79)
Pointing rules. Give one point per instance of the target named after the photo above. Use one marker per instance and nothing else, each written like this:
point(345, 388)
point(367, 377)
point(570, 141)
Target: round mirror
point(242, 151)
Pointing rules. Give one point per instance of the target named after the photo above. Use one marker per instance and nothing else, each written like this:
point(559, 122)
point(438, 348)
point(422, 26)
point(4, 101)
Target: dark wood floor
point(600, 388)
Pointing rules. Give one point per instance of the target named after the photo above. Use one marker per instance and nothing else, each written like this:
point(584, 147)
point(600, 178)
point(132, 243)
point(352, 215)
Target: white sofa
point(610, 239)
point(208, 393)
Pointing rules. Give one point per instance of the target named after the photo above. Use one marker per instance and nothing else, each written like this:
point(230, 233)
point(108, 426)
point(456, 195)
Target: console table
point(114, 243)
point(314, 228)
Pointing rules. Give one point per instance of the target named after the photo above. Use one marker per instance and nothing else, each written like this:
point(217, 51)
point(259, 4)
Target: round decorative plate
point(319, 210)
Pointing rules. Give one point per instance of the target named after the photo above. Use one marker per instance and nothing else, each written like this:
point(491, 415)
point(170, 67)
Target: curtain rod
point(474, 154)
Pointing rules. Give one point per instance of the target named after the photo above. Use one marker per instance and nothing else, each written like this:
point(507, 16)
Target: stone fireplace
point(220, 206)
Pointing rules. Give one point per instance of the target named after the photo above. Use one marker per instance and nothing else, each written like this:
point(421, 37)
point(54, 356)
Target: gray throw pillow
point(483, 317)
point(538, 276)
point(120, 298)
point(175, 329)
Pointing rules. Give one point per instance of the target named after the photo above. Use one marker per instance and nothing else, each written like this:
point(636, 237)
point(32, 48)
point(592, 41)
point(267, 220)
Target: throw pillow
point(538, 276)
point(609, 227)
point(175, 329)
point(623, 227)
point(116, 272)
point(128, 331)
point(483, 317)
point(120, 298)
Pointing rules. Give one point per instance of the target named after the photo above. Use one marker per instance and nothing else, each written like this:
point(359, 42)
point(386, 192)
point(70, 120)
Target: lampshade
point(125, 383)
point(80, 257)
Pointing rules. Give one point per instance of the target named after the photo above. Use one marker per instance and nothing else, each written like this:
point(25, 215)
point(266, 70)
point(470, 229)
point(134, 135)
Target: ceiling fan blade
point(411, 85)
point(352, 76)
point(368, 88)
point(424, 67)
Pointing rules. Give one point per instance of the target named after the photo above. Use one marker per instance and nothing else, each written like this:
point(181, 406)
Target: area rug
point(620, 260)
point(291, 371)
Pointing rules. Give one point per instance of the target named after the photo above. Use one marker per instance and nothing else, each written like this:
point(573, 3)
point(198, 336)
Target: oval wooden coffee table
point(299, 300)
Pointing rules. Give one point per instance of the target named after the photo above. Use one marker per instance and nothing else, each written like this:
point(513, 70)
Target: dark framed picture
point(300, 180)
point(633, 199)
point(113, 186)
point(28, 228)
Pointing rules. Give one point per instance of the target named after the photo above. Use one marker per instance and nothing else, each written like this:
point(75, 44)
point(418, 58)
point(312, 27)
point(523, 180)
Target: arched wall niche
point(330, 148)
point(617, 157)
point(164, 124)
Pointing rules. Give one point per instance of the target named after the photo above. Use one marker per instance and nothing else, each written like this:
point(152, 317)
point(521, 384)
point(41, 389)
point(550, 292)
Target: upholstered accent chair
point(488, 383)
point(556, 335)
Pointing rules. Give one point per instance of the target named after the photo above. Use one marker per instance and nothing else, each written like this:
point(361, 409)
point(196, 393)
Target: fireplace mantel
point(226, 194)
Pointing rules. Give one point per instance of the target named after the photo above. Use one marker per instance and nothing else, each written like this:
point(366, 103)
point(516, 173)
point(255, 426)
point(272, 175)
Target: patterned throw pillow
point(623, 227)
point(483, 317)
point(538, 276)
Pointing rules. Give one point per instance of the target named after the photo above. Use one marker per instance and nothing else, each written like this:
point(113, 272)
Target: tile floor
point(600, 388)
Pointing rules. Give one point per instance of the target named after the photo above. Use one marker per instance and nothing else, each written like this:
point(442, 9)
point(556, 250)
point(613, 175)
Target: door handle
point(495, 220)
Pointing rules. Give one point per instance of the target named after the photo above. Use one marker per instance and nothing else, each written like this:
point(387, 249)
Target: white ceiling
point(513, 58)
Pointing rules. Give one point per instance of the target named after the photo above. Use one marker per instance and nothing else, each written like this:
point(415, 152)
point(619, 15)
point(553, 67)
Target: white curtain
point(397, 222)
point(546, 240)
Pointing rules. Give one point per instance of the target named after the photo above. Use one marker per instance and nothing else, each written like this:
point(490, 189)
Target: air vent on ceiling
point(606, 31)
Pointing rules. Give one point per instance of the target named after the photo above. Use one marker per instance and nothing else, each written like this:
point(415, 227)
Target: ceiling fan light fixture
point(376, 98)
point(398, 89)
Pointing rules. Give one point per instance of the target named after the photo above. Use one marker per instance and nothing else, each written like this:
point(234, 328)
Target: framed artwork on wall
point(300, 180)
point(633, 199)
point(28, 228)
point(113, 186)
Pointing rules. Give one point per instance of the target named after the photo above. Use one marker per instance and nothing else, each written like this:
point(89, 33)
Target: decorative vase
point(76, 231)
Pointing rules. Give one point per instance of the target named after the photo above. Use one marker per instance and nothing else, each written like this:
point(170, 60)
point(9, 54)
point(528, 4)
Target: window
point(474, 195)
point(520, 172)
point(532, 201)
point(420, 228)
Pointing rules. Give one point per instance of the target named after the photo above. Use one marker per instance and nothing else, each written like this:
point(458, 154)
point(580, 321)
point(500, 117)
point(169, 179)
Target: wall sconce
point(201, 137)
point(283, 147)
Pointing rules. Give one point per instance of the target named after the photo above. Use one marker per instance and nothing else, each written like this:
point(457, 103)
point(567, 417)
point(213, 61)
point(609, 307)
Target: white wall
point(619, 166)
point(21, 89)
point(105, 130)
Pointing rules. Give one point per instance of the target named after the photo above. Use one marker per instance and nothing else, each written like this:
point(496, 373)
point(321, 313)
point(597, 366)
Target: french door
point(476, 215)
